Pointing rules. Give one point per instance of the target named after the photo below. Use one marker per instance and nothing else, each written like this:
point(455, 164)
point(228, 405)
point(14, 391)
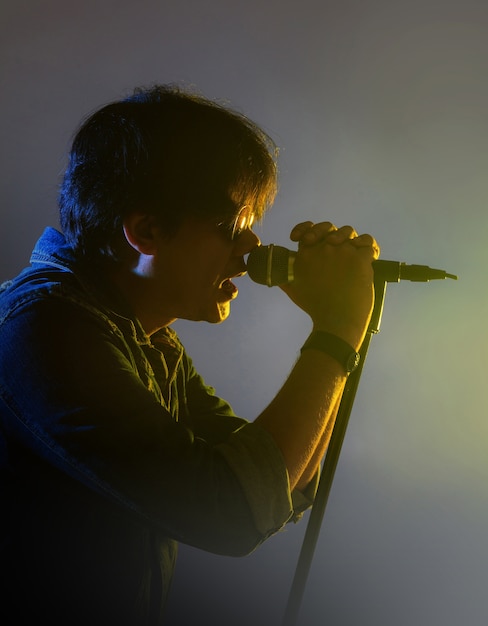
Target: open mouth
point(230, 289)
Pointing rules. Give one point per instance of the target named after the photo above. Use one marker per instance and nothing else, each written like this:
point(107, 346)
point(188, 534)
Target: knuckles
point(308, 235)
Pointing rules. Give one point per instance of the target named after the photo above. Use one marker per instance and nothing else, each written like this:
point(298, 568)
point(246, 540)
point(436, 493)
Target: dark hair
point(168, 152)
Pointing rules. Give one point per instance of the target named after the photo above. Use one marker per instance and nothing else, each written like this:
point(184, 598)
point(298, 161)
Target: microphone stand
point(330, 462)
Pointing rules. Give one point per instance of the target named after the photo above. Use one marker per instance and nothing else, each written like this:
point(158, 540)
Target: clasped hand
point(333, 278)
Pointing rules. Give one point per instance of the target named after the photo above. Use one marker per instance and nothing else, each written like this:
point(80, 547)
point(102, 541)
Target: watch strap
point(335, 347)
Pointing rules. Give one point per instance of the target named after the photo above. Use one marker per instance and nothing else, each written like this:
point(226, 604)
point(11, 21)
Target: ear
point(140, 230)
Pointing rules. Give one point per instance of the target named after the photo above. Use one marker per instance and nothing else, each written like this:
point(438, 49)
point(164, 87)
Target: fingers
point(341, 235)
point(308, 233)
point(366, 241)
point(300, 229)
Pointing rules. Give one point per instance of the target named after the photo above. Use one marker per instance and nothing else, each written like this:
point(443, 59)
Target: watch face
point(352, 362)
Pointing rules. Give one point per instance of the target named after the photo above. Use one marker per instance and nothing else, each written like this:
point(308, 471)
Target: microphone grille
point(269, 265)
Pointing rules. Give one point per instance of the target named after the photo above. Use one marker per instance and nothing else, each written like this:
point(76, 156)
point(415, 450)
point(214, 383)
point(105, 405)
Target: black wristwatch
point(335, 347)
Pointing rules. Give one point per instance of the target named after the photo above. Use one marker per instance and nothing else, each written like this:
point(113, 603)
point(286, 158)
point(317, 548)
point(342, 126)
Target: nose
point(247, 241)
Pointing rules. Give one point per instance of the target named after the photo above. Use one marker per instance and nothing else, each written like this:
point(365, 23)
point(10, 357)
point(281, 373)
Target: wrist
point(353, 336)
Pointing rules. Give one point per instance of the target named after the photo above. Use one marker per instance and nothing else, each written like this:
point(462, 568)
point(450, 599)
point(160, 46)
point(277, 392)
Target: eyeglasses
point(243, 221)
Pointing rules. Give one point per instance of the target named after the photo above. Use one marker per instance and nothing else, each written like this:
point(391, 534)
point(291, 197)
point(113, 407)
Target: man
point(112, 447)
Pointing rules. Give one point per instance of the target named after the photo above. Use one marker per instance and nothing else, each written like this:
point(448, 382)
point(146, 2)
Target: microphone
point(273, 265)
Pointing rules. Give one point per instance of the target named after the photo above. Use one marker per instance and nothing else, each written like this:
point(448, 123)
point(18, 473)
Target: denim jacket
point(112, 450)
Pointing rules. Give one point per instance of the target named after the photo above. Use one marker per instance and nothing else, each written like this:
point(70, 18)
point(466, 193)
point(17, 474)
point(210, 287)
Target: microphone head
point(270, 265)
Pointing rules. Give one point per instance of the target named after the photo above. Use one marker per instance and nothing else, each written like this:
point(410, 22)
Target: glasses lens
point(243, 221)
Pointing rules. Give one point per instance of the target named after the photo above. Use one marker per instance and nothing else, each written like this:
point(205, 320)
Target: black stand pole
point(330, 464)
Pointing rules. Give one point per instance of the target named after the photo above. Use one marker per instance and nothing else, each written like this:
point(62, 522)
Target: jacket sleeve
point(74, 395)
point(214, 419)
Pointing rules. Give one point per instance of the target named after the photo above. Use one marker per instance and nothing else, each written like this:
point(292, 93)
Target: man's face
point(193, 270)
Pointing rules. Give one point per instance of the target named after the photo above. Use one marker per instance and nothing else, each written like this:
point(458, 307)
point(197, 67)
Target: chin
point(221, 314)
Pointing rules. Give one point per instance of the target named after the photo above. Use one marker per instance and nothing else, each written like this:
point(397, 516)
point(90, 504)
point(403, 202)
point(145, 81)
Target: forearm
point(302, 415)
point(310, 471)
point(333, 284)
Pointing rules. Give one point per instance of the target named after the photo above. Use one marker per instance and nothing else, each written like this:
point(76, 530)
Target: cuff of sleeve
point(303, 500)
point(265, 484)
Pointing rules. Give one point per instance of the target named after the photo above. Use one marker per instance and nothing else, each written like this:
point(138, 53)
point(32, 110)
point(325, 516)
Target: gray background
point(380, 111)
